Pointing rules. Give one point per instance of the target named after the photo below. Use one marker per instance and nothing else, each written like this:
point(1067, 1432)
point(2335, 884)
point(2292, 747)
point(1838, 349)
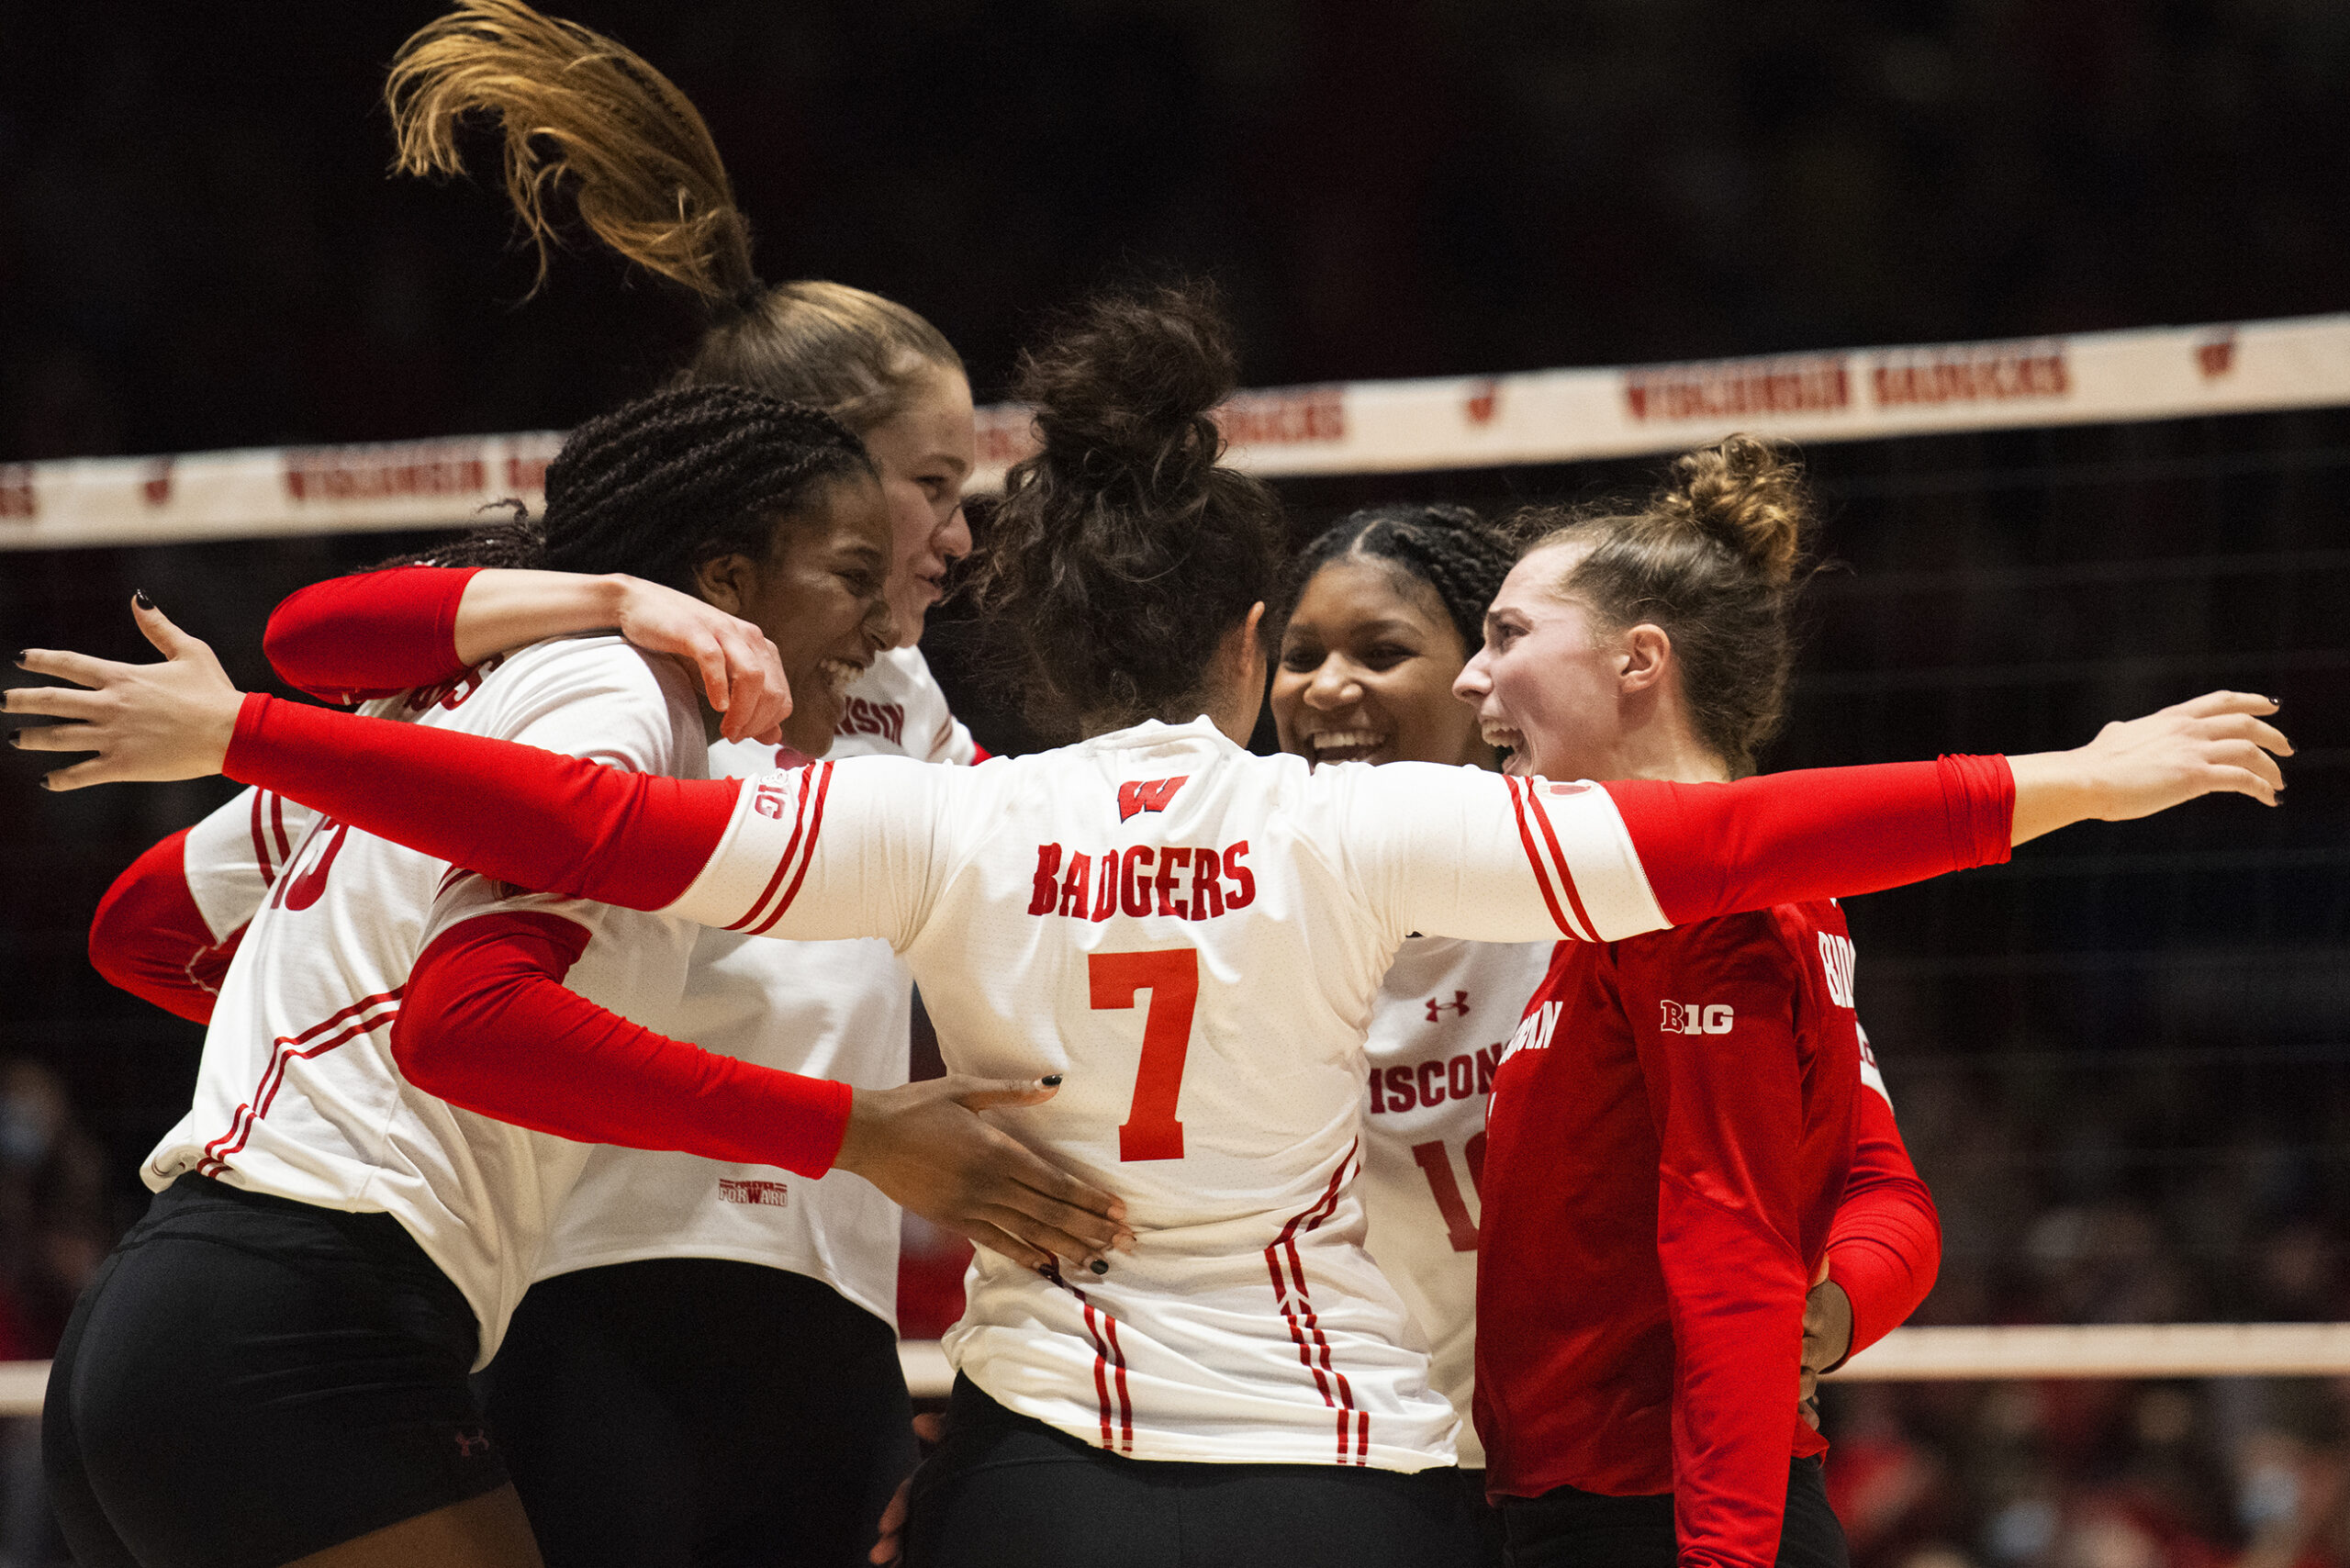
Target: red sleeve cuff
point(372, 634)
point(148, 937)
point(548, 822)
point(485, 1024)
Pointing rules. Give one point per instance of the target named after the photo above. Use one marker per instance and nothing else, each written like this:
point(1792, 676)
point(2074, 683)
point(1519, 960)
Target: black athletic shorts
point(1003, 1488)
point(693, 1411)
point(248, 1380)
point(1567, 1529)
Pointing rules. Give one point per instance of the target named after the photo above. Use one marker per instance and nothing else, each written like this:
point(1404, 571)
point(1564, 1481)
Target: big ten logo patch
point(1433, 1082)
point(1836, 964)
point(450, 694)
point(759, 1194)
point(887, 720)
point(1697, 1018)
point(1138, 795)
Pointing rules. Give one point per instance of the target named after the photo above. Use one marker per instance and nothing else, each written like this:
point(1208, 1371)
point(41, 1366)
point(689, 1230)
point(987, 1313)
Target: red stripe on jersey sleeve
point(807, 853)
point(373, 634)
point(1817, 833)
point(1886, 1245)
point(1534, 859)
point(150, 938)
point(542, 822)
point(486, 1024)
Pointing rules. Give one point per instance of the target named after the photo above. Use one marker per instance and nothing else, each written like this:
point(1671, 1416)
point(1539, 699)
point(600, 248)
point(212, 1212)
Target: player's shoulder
point(643, 709)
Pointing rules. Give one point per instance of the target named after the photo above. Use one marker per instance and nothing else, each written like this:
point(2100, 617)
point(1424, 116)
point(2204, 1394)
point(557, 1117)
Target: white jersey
point(298, 1094)
point(1196, 937)
point(839, 1010)
point(1444, 1014)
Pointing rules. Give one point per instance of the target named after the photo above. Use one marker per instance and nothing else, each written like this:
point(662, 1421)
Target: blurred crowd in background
point(2119, 1063)
point(198, 247)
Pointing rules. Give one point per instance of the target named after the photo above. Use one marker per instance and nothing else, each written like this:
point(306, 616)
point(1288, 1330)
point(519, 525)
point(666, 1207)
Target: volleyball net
point(1347, 427)
point(2118, 1060)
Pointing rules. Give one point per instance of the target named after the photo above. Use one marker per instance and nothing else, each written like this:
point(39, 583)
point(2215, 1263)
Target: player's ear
point(728, 581)
point(1644, 655)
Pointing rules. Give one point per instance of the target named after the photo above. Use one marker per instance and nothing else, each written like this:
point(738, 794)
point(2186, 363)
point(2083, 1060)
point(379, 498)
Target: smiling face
point(925, 452)
point(1547, 684)
point(1366, 671)
point(821, 595)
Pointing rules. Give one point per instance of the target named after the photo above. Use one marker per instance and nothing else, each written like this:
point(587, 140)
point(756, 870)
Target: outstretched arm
point(488, 1023)
point(380, 633)
point(540, 820)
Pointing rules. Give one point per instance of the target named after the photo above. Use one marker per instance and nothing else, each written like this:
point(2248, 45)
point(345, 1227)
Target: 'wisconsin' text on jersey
point(1174, 880)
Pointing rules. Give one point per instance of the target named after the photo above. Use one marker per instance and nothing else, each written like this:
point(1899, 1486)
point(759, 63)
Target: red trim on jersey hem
point(1293, 1290)
point(1107, 1355)
point(808, 858)
point(241, 1125)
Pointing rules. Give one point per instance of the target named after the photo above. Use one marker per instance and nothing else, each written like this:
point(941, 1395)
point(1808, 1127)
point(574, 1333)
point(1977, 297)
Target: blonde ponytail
point(582, 112)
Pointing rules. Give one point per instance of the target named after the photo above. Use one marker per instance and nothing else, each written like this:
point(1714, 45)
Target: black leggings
point(695, 1413)
point(1567, 1529)
point(249, 1380)
point(1005, 1489)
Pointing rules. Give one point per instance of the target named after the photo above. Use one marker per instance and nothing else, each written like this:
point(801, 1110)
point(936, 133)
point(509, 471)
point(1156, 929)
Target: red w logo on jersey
point(1147, 794)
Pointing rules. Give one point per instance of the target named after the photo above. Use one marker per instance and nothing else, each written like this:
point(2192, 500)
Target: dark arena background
point(2122, 1062)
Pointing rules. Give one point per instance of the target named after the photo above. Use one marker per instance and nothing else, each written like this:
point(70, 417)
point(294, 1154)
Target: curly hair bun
point(1123, 390)
point(1122, 553)
point(1750, 494)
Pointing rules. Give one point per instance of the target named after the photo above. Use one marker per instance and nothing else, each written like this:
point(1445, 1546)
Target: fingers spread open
point(53, 737)
point(1044, 1237)
point(56, 701)
point(79, 668)
point(981, 1234)
point(2212, 703)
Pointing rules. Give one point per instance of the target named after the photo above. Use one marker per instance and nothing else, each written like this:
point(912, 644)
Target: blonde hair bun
point(1748, 493)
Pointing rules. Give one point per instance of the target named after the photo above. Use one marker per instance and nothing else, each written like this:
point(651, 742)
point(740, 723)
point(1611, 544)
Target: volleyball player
point(708, 1364)
point(1193, 935)
point(1386, 608)
point(1671, 1142)
point(273, 1364)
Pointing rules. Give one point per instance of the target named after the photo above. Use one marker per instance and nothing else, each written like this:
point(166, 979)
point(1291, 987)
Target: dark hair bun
point(1750, 494)
point(1122, 554)
point(1123, 388)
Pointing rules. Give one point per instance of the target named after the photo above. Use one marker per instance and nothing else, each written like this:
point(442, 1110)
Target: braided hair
point(1449, 548)
point(658, 486)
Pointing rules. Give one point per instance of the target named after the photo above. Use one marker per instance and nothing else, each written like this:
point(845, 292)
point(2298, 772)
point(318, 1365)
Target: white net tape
point(1478, 422)
point(2100, 1350)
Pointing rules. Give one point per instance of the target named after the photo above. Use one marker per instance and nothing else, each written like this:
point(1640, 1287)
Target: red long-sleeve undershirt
point(561, 824)
point(488, 1023)
point(373, 634)
point(1886, 1246)
point(150, 938)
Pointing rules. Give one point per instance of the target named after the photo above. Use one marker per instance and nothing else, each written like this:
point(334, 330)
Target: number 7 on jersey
point(1172, 977)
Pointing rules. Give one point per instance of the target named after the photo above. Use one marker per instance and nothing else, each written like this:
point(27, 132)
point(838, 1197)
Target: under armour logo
point(1457, 1006)
point(1147, 794)
point(471, 1441)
